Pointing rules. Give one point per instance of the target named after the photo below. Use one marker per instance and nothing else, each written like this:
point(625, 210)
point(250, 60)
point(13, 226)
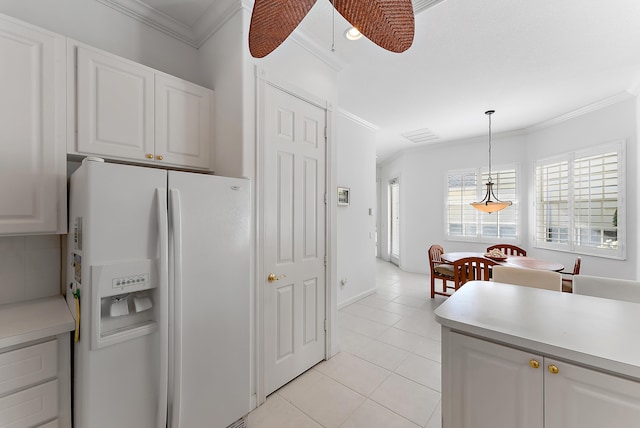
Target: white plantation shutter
point(595, 184)
point(463, 222)
point(462, 189)
point(580, 203)
point(552, 203)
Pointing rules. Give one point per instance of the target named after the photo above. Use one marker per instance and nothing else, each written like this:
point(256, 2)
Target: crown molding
point(206, 26)
point(154, 19)
point(215, 18)
point(357, 119)
point(323, 54)
point(422, 5)
point(614, 99)
point(634, 88)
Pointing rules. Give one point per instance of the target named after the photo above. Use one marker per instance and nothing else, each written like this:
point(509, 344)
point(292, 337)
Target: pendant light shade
point(490, 203)
point(387, 23)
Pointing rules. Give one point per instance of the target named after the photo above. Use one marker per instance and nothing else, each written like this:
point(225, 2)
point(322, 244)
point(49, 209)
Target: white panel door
point(115, 106)
point(32, 124)
point(294, 236)
point(576, 397)
point(183, 132)
point(477, 367)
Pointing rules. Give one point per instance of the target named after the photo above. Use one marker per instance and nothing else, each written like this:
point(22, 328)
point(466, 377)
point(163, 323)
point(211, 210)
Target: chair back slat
point(472, 268)
point(576, 266)
point(435, 254)
point(508, 249)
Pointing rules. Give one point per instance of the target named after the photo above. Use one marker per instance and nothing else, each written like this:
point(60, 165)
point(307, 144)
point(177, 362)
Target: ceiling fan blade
point(389, 24)
point(272, 21)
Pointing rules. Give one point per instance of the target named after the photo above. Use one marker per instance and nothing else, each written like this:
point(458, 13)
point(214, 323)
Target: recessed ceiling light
point(352, 34)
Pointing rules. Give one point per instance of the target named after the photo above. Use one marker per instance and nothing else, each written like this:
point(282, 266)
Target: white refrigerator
point(160, 263)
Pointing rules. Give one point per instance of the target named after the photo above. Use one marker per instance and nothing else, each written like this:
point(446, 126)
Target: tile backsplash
point(29, 267)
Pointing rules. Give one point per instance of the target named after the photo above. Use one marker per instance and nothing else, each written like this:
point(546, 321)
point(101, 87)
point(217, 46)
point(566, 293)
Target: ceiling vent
point(421, 136)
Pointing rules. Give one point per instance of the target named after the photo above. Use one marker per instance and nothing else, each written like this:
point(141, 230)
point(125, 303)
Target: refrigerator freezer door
point(117, 385)
point(211, 367)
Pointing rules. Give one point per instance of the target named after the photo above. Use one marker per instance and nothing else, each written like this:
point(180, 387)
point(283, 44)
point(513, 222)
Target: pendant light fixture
point(490, 203)
point(389, 24)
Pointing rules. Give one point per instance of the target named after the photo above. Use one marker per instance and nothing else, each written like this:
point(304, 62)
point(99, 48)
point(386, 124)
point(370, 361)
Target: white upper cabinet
point(130, 112)
point(33, 130)
point(183, 122)
point(115, 106)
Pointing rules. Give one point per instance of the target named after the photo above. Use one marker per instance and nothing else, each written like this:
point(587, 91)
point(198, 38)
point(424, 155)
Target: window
point(579, 202)
point(465, 223)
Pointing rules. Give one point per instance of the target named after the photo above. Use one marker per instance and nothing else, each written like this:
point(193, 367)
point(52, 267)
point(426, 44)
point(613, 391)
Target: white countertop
point(601, 333)
point(35, 319)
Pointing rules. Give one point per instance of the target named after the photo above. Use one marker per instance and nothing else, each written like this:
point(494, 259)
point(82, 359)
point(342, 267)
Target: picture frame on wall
point(343, 196)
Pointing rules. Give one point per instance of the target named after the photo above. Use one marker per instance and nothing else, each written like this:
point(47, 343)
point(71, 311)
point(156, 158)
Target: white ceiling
point(530, 61)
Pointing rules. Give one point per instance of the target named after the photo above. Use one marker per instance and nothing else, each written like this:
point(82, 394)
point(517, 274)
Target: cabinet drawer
point(27, 366)
point(30, 407)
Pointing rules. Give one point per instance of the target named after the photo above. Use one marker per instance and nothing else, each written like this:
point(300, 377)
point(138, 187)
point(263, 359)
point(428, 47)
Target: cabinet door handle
point(534, 364)
point(159, 157)
point(553, 369)
point(149, 156)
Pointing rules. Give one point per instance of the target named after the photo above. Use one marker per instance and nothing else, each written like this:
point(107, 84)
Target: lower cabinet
point(487, 385)
point(33, 390)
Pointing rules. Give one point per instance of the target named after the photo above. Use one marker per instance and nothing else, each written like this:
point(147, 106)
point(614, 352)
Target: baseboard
point(356, 298)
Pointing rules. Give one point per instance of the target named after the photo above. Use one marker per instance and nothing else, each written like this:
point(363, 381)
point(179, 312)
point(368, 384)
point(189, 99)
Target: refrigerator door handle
point(163, 293)
point(176, 232)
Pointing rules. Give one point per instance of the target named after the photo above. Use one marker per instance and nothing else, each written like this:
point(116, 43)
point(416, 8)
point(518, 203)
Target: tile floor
point(387, 373)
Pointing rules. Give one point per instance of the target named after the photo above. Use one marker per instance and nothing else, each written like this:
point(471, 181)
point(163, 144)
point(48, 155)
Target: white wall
point(98, 25)
point(356, 153)
point(223, 68)
point(422, 187)
point(29, 267)
point(613, 123)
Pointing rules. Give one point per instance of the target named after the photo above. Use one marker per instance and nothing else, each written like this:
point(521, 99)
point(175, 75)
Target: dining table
point(515, 261)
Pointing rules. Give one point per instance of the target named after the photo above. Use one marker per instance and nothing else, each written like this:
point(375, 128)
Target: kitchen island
point(516, 356)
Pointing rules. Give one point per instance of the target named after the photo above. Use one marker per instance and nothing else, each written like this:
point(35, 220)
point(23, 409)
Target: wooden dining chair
point(471, 268)
point(440, 270)
point(534, 278)
point(508, 249)
point(567, 277)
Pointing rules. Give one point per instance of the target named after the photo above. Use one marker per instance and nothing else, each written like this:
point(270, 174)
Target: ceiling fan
point(387, 23)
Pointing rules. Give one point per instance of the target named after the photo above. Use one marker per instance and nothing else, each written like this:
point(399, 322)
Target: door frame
point(262, 79)
point(391, 183)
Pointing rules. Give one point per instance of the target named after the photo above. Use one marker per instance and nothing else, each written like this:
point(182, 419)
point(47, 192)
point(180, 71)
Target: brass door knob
point(149, 156)
point(553, 369)
point(534, 364)
point(272, 277)
point(159, 157)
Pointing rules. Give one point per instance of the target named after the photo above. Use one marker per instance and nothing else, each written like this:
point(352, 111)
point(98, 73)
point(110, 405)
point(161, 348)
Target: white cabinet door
point(115, 106)
point(182, 122)
point(576, 397)
point(491, 385)
point(32, 120)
